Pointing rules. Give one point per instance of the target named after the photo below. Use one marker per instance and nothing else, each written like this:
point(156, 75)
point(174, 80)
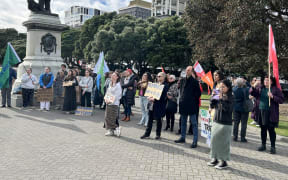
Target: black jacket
point(223, 110)
point(189, 96)
point(130, 93)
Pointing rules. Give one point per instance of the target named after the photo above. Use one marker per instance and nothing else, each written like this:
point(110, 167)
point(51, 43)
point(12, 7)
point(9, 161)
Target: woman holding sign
point(157, 108)
point(69, 83)
point(222, 127)
point(142, 85)
point(112, 100)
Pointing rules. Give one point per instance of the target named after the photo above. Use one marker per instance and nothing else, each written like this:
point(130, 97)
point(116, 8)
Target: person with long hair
point(142, 86)
point(112, 100)
point(70, 103)
point(218, 77)
point(267, 114)
point(222, 127)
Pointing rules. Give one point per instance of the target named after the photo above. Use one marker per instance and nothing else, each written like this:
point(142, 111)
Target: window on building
point(81, 18)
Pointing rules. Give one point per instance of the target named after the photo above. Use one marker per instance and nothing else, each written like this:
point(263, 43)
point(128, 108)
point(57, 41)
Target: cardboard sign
point(206, 125)
point(44, 94)
point(68, 83)
point(154, 90)
point(109, 98)
point(84, 111)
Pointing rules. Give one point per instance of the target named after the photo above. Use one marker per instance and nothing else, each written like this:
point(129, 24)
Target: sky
point(14, 12)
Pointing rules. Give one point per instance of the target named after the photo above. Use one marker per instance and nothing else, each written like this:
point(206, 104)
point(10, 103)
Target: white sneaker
point(109, 133)
point(253, 123)
point(118, 131)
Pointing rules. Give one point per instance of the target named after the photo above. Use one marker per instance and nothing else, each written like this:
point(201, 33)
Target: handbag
point(247, 104)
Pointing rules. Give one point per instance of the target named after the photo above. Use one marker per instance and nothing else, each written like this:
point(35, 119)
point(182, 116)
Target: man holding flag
point(8, 74)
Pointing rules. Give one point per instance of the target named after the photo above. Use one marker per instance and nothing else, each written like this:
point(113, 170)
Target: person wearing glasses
point(157, 108)
point(189, 105)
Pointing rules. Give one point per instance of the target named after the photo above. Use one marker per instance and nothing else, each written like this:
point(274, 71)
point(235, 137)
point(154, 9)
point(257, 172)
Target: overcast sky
point(14, 12)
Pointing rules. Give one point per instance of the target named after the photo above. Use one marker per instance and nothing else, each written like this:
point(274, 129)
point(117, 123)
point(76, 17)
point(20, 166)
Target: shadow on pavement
point(59, 125)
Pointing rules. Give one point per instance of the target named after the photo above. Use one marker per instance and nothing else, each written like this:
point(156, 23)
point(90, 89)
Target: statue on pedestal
point(43, 7)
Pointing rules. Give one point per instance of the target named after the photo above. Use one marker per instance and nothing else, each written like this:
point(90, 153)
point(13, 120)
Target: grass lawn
point(205, 96)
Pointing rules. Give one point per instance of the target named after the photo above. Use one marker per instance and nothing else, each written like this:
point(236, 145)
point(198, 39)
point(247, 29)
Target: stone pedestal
point(43, 46)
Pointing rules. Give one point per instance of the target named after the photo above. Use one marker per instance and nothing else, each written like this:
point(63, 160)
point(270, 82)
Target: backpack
point(248, 103)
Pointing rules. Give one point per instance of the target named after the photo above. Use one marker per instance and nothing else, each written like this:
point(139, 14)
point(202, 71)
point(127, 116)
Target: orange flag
point(208, 79)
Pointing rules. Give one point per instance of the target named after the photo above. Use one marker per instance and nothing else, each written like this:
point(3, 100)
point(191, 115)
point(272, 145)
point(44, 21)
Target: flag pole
point(269, 68)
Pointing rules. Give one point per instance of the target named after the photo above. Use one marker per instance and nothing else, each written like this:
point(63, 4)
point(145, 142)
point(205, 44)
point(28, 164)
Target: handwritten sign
point(109, 98)
point(84, 111)
point(44, 94)
point(206, 125)
point(154, 90)
point(68, 83)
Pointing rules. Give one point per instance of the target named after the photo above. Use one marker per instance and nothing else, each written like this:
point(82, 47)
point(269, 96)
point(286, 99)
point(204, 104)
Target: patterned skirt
point(111, 115)
point(220, 141)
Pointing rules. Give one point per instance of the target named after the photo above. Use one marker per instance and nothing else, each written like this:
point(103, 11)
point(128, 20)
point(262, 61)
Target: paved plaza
point(55, 146)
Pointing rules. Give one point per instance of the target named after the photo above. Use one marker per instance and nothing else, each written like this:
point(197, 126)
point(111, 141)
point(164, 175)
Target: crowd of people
point(230, 103)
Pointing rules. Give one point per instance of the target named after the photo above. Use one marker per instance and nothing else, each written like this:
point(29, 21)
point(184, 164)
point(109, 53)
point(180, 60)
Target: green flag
point(101, 74)
point(11, 58)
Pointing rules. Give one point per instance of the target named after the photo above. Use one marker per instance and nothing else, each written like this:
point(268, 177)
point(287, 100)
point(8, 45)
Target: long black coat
point(130, 93)
point(159, 106)
point(70, 97)
point(190, 93)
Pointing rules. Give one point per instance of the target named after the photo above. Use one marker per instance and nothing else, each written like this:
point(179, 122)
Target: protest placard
point(68, 83)
point(206, 125)
point(84, 111)
point(44, 94)
point(154, 90)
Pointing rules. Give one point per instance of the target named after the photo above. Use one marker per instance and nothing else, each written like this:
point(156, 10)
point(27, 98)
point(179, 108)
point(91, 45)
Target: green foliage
point(69, 38)
point(233, 34)
point(18, 41)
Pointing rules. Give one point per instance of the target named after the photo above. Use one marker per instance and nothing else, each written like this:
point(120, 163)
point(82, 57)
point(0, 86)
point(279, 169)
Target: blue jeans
point(127, 107)
point(145, 111)
point(194, 123)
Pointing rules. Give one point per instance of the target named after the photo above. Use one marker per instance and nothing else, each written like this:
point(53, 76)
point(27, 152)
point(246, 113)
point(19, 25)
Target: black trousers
point(27, 96)
point(170, 119)
point(243, 118)
point(150, 124)
point(272, 135)
point(86, 98)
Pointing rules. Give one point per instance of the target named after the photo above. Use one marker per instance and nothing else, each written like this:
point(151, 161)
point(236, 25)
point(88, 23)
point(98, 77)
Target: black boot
point(262, 147)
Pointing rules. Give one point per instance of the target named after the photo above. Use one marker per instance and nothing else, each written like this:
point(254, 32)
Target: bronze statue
point(42, 7)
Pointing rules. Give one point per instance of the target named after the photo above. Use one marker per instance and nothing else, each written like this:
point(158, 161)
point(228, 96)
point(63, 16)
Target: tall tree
point(233, 34)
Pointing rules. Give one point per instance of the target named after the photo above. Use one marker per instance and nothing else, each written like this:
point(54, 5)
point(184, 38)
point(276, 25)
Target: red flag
point(209, 91)
point(208, 79)
point(273, 56)
point(199, 70)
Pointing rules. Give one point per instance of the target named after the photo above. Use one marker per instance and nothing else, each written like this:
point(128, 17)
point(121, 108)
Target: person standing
point(157, 108)
point(28, 82)
point(112, 100)
point(86, 84)
point(58, 86)
point(46, 82)
point(222, 127)
point(241, 94)
point(143, 84)
point(70, 103)
point(6, 92)
point(128, 94)
point(171, 108)
point(268, 115)
point(188, 105)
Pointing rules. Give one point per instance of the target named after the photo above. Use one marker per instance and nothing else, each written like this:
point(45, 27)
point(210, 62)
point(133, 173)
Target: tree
point(168, 43)
point(18, 41)
point(69, 38)
point(233, 34)
point(88, 30)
